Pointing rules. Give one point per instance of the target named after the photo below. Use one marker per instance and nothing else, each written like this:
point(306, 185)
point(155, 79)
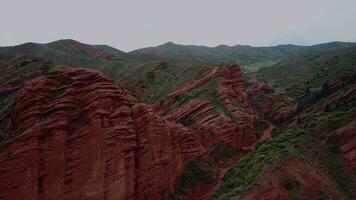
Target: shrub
point(196, 170)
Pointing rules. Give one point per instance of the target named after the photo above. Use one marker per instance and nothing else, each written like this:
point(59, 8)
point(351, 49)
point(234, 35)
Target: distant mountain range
point(243, 54)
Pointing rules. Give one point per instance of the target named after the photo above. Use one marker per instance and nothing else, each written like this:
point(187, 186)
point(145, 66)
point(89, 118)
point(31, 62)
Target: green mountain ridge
point(245, 55)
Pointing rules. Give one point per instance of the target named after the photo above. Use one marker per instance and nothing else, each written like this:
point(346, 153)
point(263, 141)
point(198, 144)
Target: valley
point(80, 121)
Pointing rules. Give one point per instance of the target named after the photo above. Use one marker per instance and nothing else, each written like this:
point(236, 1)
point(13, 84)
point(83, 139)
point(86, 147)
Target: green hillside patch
point(306, 145)
point(162, 78)
point(197, 170)
point(259, 65)
point(223, 151)
point(244, 173)
point(207, 91)
point(309, 71)
point(330, 121)
point(202, 91)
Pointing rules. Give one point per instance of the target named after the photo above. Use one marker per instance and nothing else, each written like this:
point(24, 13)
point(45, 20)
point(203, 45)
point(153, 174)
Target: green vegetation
point(247, 56)
point(214, 98)
point(223, 151)
point(161, 78)
point(258, 65)
point(297, 74)
point(303, 141)
point(260, 126)
point(208, 91)
point(243, 174)
point(306, 145)
point(330, 121)
point(238, 104)
point(196, 171)
point(328, 160)
point(203, 91)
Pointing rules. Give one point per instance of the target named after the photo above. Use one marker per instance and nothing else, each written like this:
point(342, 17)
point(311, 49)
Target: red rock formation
point(257, 86)
point(347, 135)
point(233, 85)
point(80, 137)
point(284, 112)
point(191, 85)
point(214, 126)
point(260, 96)
point(232, 88)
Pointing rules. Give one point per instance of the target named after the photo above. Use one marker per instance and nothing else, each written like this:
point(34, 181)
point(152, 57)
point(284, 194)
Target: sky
point(133, 24)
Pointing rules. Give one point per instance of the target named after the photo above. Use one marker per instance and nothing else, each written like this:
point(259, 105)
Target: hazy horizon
point(176, 44)
point(130, 25)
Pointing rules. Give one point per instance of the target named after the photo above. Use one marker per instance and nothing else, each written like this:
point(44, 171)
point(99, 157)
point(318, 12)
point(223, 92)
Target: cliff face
point(80, 137)
point(347, 139)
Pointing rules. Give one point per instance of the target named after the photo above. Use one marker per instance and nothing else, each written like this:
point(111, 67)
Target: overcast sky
point(132, 24)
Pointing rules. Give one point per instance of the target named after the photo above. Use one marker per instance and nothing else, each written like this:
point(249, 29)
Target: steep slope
point(212, 112)
point(77, 136)
point(218, 104)
point(310, 156)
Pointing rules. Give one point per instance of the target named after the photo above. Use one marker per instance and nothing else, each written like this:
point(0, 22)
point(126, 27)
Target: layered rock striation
point(78, 136)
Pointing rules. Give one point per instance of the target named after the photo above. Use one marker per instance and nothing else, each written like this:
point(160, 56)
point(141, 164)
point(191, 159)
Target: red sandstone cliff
point(347, 136)
point(214, 126)
point(80, 137)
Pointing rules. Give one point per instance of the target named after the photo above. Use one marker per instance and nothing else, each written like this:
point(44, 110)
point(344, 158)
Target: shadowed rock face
point(78, 136)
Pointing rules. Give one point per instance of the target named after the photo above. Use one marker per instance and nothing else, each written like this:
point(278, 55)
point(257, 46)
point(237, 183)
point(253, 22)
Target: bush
point(150, 75)
point(196, 170)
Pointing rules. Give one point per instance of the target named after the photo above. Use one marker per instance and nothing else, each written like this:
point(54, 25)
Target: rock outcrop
point(234, 92)
point(233, 124)
point(183, 90)
point(347, 139)
point(78, 136)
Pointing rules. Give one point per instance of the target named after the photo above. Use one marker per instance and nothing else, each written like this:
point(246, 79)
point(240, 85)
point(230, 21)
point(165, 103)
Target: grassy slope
point(301, 140)
point(66, 53)
point(296, 74)
point(245, 55)
point(169, 77)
